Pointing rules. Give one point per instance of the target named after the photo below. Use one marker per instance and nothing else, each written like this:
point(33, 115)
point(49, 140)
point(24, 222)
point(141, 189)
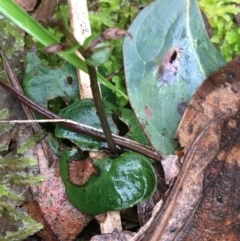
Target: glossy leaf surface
point(167, 59)
point(120, 183)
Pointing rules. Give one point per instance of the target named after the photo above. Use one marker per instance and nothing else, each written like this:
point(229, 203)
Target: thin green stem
point(100, 109)
point(99, 105)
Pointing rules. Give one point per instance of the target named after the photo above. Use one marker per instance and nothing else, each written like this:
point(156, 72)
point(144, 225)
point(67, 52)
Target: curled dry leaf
point(204, 202)
point(81, 171)
point(115, 33)
point(108, 34)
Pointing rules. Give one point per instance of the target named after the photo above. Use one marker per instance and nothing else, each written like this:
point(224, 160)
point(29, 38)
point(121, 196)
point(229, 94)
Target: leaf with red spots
point(167, 58)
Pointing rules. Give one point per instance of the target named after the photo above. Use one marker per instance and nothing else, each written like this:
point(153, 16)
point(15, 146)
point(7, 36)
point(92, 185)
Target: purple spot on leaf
point(181, 107)
point(169, 67)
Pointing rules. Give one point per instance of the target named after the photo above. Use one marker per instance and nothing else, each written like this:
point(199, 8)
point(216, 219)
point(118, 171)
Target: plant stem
point(99, 105)
point(100, 109)
point(121, 141)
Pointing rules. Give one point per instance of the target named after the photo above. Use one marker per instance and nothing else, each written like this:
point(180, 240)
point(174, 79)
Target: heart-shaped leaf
point(120, 183)
point(166, 60)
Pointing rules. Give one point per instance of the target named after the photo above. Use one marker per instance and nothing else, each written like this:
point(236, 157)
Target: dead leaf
point(217, 214)
point(45, 10)
point(27, 5)
point(203, 203)
point(171, 166)
point(64, 220)
point(111, 222)
point(108, 34)
point(32, 207)
point(42, 12)
point(81, 171)
point(145, 208)
point(114, 236)
point(115, 33)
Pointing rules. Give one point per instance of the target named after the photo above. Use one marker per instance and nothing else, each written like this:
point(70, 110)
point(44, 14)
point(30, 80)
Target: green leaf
point(167, 59)
point(43, 84)
point(84, 112)
point(121, 183)
point(135, 131)
point(127, 116)
point(3, 190)
point(12, 11)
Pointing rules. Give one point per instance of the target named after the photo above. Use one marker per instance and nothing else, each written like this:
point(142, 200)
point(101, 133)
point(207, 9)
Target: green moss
point(114, 13)
point(13, 182)
point(11, 41)
point(220, 14)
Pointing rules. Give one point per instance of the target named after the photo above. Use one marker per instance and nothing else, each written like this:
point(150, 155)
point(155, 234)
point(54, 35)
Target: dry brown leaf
point(204, 203)
point(32, 207)
point(65, 221)
point(45, 10)
point(114, 236)
point(81, 171)
point(145, 208)
point(171, 166)
point(115, 33)
point(27, 5)
point(48, 204)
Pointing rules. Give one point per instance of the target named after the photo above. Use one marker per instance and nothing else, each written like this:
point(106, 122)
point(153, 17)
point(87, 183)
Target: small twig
point(36, 127)
point(121, 141)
